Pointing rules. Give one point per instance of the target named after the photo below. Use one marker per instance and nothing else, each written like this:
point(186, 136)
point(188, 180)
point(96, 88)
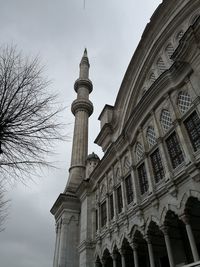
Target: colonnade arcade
point(174, 243)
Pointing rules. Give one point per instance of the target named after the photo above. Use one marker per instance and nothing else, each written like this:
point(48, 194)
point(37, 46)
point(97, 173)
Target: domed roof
point(93, 156)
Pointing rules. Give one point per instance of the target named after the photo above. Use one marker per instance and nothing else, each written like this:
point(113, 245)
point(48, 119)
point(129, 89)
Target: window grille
point(119, 199)
point(151, 136)
point(165, 119)
point(111, 207)
point(169, 51)
point(184, 101)
point(143, 181)
point(174, 149)
point(129, 189)
point(139, 151)
point(192, 124)
point(103, 214)
point(157, 166)
point(161, 65)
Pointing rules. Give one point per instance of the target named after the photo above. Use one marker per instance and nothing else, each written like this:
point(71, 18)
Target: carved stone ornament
point(102, 191)
point(126, 165)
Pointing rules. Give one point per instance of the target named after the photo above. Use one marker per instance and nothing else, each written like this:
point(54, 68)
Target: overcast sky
point(59, 31)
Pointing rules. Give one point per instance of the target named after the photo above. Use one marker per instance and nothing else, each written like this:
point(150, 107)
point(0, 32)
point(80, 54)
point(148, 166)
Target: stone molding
point(82, 104)
point(83, 83)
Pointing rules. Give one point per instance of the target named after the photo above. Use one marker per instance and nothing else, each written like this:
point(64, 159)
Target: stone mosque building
point(139, 206)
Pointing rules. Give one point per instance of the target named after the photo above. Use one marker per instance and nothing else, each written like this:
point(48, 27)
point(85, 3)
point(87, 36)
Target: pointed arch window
point(111, 206)
point(129, 189)
point(151, 136)
point(165, 119)
point(142, 176)
point(103, 214)
point(119, 199)
point(174, 149)
point(184, 101)
point(139, 151)
point(192, 124)
point(157, 166)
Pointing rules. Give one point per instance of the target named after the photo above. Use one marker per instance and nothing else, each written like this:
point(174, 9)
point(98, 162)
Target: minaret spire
point(82, 108)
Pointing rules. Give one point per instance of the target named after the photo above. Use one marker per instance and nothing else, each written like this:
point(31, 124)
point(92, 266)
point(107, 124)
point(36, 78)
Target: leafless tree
point(28, 115)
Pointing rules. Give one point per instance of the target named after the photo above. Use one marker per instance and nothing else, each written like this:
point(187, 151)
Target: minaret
point(82, 108)
point(66, 209)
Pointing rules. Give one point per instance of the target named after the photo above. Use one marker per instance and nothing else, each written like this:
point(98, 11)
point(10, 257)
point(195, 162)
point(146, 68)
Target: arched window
point(192, 124)
point(139, 151)
point(151, 136)
point(165, 119)
point(169, 51)
point(161, 65)
point(184, 101)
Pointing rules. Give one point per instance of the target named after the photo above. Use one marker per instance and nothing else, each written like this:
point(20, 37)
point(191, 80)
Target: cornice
point(161, 27)
point(65, 201)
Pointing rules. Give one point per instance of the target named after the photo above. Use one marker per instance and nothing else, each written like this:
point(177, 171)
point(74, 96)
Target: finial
point(85, 52)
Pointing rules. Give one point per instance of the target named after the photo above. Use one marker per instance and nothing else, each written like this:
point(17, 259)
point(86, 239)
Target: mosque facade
point(139, 206)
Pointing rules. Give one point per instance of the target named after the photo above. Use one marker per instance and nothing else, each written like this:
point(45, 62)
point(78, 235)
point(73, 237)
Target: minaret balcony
point(83, 83)
point(82, 105)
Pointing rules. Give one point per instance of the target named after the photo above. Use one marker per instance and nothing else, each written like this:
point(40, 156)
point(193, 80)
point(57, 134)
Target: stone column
point(168, 246)
point(133, 177)
point(103, 261)
point(107, 210)
point(122, 253)
point(115, 204)
point(114, 257)
point(149, 176)
point(56, 253)
point(150, 250)
point(123, 194)
point(191, 238)
point(98, 219)
point(147, 165)
point(63, 244)
point(135, 254)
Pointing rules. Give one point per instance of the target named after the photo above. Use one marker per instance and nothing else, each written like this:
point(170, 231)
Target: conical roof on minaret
point(85, 59)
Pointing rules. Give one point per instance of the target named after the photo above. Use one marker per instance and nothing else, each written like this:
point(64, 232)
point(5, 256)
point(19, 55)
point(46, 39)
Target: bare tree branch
point(28, 115)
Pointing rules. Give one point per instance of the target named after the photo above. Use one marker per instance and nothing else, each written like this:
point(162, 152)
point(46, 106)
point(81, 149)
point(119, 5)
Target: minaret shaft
point(80, 140)
point(82, 108)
